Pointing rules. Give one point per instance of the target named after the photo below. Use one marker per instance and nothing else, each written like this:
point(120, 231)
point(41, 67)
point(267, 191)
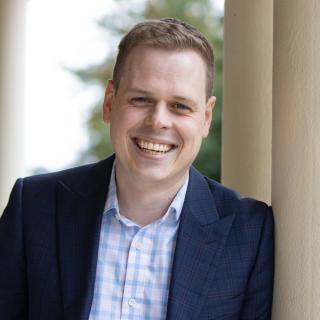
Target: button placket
point(131, 295)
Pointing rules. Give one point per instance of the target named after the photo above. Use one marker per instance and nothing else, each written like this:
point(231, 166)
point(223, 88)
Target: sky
point(61, 33)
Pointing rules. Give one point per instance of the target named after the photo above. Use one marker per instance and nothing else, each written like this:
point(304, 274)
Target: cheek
point(193, 126)
point(191, 133)
point(134, 114)
point(124, 119)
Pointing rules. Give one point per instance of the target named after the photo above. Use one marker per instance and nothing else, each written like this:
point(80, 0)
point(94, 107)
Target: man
point(140, 235)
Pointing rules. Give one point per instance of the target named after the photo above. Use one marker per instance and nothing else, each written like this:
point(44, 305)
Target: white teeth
point(149, 146)
point(166, 147)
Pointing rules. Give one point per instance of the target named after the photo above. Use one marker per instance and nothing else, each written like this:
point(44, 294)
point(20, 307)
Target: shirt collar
point(112, 199)
point(173, 213)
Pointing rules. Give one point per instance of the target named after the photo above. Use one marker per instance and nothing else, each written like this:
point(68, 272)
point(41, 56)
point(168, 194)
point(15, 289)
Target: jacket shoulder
point(52, 177)
point(71, 178)
point(229, 201)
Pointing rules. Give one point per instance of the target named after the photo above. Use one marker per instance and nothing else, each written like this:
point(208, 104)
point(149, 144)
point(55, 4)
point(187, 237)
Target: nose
point(159, 116)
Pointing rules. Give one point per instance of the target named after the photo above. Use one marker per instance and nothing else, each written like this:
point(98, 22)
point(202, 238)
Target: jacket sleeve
point(13, 283)
point(258, 300)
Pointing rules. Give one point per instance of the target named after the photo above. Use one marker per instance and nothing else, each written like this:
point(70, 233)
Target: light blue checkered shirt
point(134, 263)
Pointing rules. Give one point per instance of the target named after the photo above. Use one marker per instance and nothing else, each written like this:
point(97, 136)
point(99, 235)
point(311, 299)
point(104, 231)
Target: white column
point(296, 159)
point(247, 99)
point(12, 70)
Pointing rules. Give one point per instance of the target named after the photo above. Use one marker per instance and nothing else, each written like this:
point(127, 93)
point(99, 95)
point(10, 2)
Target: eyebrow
point(140, 91)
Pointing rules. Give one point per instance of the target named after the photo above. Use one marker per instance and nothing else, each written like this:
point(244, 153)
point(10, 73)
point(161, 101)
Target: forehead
point(178, 70)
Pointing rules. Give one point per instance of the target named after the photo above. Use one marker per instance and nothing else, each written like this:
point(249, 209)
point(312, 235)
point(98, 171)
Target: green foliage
point(199, 14)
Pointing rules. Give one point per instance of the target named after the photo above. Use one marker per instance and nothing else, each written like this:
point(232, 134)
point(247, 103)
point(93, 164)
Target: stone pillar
point(12, 70)
point(247, 98)
point(296, 159)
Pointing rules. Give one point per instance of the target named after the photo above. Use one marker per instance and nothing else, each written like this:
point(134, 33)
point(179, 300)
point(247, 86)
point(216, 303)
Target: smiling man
point(142, 234)
point(158, 120)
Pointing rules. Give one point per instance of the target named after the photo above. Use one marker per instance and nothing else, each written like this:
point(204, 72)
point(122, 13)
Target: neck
point(144, 202)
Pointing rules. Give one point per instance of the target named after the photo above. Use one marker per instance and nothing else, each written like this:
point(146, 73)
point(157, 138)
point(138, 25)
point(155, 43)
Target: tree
point(199, 14)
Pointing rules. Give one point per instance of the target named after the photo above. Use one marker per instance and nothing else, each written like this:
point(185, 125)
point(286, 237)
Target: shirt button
point(132, 302)
point(139, 246)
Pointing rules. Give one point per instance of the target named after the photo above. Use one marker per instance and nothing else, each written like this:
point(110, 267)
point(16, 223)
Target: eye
point(140, 101)
point(181, 107)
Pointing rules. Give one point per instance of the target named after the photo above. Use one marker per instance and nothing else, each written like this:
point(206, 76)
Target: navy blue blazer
point(49, 238)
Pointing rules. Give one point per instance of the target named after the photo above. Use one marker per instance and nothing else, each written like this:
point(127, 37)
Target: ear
point(108, 100)
point(208, 116)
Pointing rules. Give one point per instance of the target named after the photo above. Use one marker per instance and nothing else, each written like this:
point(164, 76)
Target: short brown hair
point(168, 34)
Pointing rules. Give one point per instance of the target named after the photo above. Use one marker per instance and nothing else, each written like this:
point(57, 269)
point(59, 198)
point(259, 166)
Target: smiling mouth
point(153, 148)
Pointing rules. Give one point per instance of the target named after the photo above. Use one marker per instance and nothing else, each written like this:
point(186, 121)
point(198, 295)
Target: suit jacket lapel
point(80, 207)
point(201, 238)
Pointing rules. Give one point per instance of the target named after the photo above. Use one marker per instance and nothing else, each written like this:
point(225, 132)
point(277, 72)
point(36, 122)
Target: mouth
point(152, 147)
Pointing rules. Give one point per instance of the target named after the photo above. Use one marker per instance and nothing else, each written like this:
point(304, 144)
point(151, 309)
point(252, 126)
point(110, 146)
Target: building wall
point(247, 98)
point(296, 158)
point(290, 140)
point(12, 69)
